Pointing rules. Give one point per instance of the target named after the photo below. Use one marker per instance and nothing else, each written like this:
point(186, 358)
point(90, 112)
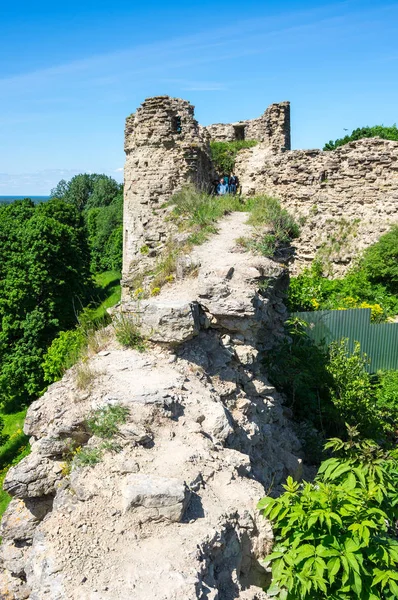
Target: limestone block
point(22, 517)
point(217, 422)
point(160, 497)
point(170, 322)
point(33, 477)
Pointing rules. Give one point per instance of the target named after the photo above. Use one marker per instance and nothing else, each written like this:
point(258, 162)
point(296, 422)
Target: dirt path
point(219, 252)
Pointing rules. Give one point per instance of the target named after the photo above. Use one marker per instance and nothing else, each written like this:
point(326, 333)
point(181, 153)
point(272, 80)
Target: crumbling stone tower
point(165, 149)
point(272, 128)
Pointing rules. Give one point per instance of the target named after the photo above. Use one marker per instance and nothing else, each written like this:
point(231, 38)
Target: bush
point(224, 154)
point(335, 539)
point(298, 369)
point(380, 261)
point(387, 401)
point(63, 353)
point(352, 393)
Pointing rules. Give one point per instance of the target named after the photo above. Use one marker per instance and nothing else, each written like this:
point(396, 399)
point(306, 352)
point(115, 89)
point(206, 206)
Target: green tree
point(87, 190)
point(44, 279)
point(387, 133)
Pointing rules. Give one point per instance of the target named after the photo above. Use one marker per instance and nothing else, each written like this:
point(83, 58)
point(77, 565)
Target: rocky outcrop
point(344, 200)
point(171, 514)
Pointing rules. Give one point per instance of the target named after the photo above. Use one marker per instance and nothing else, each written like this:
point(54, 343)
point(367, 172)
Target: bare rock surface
point(171, 515)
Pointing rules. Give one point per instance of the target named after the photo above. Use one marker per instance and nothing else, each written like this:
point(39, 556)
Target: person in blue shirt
point(222, 188)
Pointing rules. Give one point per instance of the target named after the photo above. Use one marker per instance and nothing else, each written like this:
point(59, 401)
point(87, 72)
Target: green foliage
point(14, 447)
point(44, 274)
point(352, 392)
point(276, 227)
point(86, 457)
point(387, 401)
point(87, 191)
point(372, 283)
point(224, 154)
point(128, 333)
point(380, 261)
point(298, 369)
point(100, 199)
point(64, 352)
point(335, 538)
point(328, 387)
point(387, 133)
point(105, 235)
point(104, 421)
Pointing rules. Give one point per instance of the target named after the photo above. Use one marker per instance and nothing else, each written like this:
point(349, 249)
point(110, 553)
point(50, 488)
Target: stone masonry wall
point(344, 199)
point(165, 149)
point(272, 128)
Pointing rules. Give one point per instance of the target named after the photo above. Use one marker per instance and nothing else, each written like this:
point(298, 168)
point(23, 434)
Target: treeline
point(49, 253)
point(386, 133)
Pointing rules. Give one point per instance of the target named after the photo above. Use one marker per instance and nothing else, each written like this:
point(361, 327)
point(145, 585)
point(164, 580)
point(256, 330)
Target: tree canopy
point(387, 133)
point(100, 199)
point(44, 280)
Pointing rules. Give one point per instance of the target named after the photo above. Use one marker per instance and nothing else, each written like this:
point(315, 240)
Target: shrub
point(104, 421)
point(128, 333)
point(352, 393)
point(380, 261)
point(335, 539)
point(64, 352)
point(387, 401)
point(224, 154)
point(369, 284)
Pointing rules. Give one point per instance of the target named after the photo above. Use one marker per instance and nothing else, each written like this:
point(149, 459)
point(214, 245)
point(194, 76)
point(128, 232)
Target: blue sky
point(70, 73)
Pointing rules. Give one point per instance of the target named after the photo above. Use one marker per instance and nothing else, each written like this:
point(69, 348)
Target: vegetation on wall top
point(224, 154)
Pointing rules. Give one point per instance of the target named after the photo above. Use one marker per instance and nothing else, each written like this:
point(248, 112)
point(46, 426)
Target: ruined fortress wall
point(345, 199)
point(272, 128)
point(165, 149)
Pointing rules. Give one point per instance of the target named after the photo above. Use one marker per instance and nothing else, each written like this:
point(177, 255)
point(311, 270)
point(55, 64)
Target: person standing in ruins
point(233, 184)
point(222, 187)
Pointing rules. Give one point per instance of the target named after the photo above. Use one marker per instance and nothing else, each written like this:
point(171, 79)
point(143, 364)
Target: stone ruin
point(344, 199)
point(166, 149)
point(272, 129)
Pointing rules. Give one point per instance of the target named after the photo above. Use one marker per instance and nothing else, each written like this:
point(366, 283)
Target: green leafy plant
point(335, 539)
point(352, 393)
point(372, 283)
point(104, 421)
point(86, 457)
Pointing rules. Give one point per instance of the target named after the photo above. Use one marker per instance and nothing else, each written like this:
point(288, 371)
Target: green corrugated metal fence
point(379, 341)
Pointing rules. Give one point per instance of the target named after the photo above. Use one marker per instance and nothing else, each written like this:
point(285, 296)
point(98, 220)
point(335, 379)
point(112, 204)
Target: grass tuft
point(128, 332)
